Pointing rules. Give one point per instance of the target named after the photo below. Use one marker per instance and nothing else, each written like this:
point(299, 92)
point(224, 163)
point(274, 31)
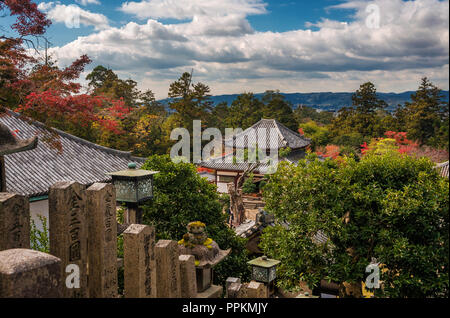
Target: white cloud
point(87, 2)
point(187, 9)
point(73, 16)
point(226, 53)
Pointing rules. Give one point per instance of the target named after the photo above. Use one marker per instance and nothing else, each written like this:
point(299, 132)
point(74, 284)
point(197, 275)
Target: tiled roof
point(225, 163)
point(33, 172)
point(281, 138)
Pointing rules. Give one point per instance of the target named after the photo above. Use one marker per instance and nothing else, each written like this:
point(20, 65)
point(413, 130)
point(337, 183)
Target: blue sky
point(255, 45)
point(281, 16)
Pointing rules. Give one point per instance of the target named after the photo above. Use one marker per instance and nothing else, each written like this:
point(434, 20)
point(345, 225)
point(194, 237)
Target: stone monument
point(207, 255)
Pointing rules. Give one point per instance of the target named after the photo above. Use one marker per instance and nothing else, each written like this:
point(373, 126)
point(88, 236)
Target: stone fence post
point(14, 221)
point(68, 235)
point(168, 269)
point(139, 261)
point(248, 290)
point(188, 276)
point(26, 273)
point(102, 243)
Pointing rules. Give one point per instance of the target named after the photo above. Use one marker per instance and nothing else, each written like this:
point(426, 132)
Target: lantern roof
point(264, 262)
point(132, 172)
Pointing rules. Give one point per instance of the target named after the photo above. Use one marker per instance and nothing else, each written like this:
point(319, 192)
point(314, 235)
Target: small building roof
point(225, 163)
point(284, 137)
point(58, 156)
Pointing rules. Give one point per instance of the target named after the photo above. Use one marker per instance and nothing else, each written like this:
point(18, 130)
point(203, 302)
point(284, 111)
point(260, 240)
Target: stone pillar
point(256, 290)
point(204, 278)
point(139, 261)
point(229, 281)
point(234, 289)
point(188, 277)
point(130, 215)
point(68, 233)
point(102, 243)
point(14, 221)
point(26, 273)
point(168, 269)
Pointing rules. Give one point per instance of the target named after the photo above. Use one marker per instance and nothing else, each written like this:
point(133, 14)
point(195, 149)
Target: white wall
point(39, 208)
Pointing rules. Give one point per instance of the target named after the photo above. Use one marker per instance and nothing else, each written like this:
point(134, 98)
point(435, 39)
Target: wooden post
point(139, 261)
point(102, 243)
point(26, 273)
point(69, 232)
point(14, 221)
point(168, 269)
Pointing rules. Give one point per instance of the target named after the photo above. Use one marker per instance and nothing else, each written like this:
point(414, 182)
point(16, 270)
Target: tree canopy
point(182, 196)
point(390, 207)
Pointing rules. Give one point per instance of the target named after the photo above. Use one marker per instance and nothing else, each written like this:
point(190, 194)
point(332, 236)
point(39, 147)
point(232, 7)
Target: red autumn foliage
point(44, 77)
point(409, 147)
point(30, 21)
point(202, 169)
point(78, 110)
point(403, 144)
point(364, 148)
point(301, 132)
point(331, 151)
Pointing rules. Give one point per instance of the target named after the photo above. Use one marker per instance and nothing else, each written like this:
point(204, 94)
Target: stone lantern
point(206, 252)
point(133, 187)
point(264, 270)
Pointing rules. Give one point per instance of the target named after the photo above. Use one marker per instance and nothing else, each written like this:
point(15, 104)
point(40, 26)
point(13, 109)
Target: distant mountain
point(327, 100)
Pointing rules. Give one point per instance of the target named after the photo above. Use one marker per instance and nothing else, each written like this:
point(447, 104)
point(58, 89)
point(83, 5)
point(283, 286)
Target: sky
point(237, 46)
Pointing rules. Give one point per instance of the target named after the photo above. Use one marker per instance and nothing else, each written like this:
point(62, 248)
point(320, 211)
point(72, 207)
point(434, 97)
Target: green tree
point(245, 111)
point(190, 101)
point(219, 115)
point(304, 114)
point(276, 107)
point(426, 117)
point(320, 135)
point(364, 117)
point(105, 82)
point(389, 207)
point(182, 196)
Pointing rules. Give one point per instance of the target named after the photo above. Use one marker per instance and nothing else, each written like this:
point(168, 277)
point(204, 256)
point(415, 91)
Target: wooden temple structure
point(225, 168)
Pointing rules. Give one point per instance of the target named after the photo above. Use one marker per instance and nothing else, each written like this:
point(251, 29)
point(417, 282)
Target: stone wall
point(83, 252)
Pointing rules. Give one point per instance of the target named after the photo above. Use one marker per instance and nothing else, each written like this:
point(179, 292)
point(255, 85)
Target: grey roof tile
point(32, 172)
point(282, 137)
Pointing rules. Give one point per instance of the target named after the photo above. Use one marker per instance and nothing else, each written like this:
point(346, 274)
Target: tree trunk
point(236, 201)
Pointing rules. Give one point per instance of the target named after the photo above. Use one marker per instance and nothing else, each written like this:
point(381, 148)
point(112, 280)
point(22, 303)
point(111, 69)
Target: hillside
point(326, 100)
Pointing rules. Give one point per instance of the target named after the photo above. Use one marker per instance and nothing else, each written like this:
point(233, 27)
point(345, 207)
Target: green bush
point(39, 240)
point(249, 186)
point(391, 207)
point(354, 140)
point(181, 196)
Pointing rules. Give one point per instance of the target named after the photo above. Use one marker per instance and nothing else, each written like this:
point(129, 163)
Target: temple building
point(276, 136)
